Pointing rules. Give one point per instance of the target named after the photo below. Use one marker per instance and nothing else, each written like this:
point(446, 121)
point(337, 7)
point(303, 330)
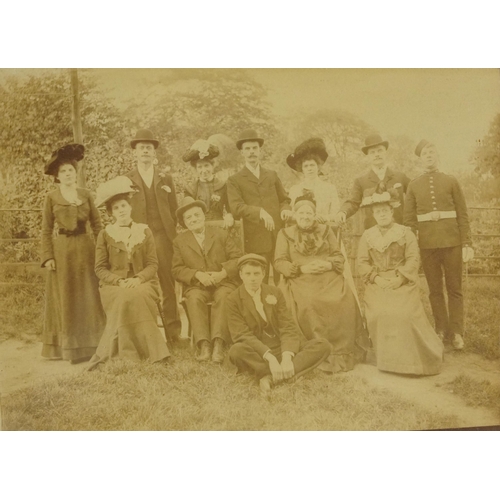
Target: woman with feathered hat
point(126, 265)
point(207, 188)
point(388, 260)
point(74, 318)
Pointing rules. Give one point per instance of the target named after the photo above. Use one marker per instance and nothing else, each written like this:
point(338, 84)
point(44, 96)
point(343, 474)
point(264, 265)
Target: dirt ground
point(22, 366)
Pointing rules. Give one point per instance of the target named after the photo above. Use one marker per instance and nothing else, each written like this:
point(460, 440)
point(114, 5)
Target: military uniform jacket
point(437, 192)
point(220, 252)
point(246, 325)
point(165, 195)
point(247, 195)
point(370, 180)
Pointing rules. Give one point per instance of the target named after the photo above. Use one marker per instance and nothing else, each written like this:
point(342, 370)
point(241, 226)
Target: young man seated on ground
point(267, 341)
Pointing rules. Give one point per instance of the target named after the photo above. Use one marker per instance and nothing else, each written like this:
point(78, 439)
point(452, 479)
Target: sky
point(451, 107)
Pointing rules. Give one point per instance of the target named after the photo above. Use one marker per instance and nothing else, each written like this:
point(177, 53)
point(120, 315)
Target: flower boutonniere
point(271, 300)
point(162, 175)
point(397, 185)
point(167, 189)
point(215, 198)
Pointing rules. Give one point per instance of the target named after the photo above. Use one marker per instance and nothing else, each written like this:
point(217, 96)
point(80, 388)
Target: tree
point(487, 154)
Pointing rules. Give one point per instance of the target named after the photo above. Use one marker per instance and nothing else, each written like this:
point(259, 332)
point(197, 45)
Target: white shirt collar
point(256, 294)
point(200, 237)
point(255, 171)
point(147, 175)
point(380, 172)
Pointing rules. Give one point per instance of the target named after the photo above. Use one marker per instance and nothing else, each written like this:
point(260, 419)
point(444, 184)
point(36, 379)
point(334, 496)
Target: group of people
point(103, 303)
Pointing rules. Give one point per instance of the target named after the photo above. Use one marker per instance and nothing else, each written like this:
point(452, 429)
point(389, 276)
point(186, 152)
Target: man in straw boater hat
point(436, 210)
point(267, 342)
point(155, 204)
point(205, 261)
point(257, 196)
point(375, 149)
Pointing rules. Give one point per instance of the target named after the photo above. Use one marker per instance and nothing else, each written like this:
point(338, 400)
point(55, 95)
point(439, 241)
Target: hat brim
point(295, 162)
point(240, 142)
point(383, 143)
point(66, 153)
point(154, 142)
point(181, 210)
point(252, 258)
point(102, 201)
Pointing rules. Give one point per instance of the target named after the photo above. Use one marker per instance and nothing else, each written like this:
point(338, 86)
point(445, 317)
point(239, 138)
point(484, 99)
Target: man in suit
point(436, 211)
point(375, 150)
point(155, 204)
point(267, 342)
point(205, 261)
point(257, 196)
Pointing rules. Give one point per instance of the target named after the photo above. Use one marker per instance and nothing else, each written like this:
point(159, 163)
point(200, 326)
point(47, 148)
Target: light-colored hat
point(113, 187)
point(252, 257)
point(380, 195)
point(201, 150)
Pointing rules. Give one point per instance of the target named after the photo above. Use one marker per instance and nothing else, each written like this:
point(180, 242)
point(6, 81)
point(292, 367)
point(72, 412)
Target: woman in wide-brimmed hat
point(126, 265)
point(388, 260)
point(74, 318)
point(308, 256)
point(207, 187)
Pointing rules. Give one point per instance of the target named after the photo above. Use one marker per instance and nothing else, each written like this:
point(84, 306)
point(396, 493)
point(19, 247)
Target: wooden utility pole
point(76, 120)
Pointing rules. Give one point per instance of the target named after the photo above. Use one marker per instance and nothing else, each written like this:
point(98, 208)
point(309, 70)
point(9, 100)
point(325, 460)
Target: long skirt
point(324, 306)
point(131, 330)
point(402, 336)
point(74, 318)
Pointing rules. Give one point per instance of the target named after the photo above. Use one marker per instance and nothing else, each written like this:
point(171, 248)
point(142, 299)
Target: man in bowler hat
point(267, 342)
point(436, 211)
point(257, 196)
point(155, 204)
point(375, 149)
point(205, 261)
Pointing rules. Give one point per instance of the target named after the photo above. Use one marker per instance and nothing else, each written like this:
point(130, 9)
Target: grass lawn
point(477, 392)
point(187, 395)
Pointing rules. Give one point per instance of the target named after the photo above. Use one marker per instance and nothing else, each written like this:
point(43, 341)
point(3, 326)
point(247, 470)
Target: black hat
point(186, 203)
point(252, 257)
point(374, 140)
point(69, 152)
point(249, 135)
point(201, 150)
point(144, 135)
point(421, 145)
point(314, 145)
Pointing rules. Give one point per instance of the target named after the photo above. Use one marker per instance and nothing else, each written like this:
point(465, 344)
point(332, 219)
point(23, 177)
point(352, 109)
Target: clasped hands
point(210, 278)
point(280, 371)
point(316, 267)
point(129, 282)
point(389, 283)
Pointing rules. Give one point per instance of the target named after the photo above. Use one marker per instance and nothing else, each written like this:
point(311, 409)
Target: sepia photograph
point(249, 249)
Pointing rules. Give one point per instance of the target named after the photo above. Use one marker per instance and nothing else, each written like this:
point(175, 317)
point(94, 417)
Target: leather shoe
point(218, 352)
point(205, 351)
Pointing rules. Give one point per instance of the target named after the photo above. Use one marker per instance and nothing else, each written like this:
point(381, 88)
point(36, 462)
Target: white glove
point(467, 254)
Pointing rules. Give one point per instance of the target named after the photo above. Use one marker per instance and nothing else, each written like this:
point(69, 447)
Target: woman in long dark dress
point(321, 301)
point(126, 265)
point(208, 188)
point(388, 260)
point(74, 319)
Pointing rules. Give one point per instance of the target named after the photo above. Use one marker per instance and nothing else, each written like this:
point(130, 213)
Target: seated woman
point(126, 266)
point(307, 160)
point(321, 302)
point(207, 187)
point(388, 260)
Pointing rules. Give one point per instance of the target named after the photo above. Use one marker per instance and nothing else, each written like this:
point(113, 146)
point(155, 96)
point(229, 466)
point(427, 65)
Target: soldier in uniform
point(376, 151)
point(435, 209)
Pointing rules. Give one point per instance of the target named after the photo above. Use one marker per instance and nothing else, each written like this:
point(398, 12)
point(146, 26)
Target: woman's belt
point(80, 229)
point(436, 215)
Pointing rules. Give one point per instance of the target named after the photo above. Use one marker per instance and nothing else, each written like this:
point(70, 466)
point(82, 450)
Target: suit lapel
point(389, 174)
point(209, 238)
point(249, 176)
point(249, 305)
point(373, 177)
point(191, 242)
point(136, 177)
point(156, 178)
point(268, 308)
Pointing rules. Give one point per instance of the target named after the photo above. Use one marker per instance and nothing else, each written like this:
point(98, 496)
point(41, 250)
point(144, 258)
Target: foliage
point(487, 154)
